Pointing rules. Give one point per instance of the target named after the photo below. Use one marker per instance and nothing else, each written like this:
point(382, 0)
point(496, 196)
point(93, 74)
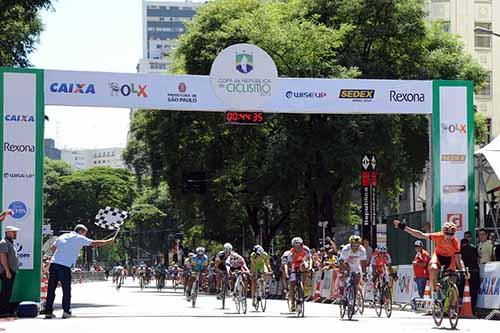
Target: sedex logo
point(357, 94)
point(400, 97)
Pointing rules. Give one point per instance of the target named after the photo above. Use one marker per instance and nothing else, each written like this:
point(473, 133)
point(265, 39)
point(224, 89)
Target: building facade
point(162, 23)
point(50, 149)
point(89, 158)
point(461, 17)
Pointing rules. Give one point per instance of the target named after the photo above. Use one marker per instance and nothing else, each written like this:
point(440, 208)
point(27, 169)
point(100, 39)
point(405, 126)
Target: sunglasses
point(449, 233)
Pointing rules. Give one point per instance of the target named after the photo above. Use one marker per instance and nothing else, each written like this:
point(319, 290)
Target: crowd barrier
point(81, 276)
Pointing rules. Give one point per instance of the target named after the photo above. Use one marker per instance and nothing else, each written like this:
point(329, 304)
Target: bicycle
point(119, 282)
point(195, 289)
point(260, 297)
point(240, 293)
point(299, 294)
point(141, 281)
point(160, 282)
point(350, 299)
point(382, 297)
point(449, 303)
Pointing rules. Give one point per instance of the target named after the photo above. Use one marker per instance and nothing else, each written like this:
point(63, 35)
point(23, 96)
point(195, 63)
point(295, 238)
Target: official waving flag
point(110, 218)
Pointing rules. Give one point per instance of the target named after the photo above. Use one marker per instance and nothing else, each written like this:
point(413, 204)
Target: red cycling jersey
point(380, 261)
point(296, 258)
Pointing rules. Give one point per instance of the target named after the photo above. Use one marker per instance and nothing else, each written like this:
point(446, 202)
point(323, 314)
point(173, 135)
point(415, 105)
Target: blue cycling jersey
point(199, 262)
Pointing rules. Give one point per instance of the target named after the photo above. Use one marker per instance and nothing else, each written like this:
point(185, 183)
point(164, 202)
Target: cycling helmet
point(297, 241)
point(228, 247)
point(382, 248)
point(191, 254)
point(355, 239)
point(259, 250)
point(200, 250)
point(419, 243)
point(449, 227)
point(234, 259)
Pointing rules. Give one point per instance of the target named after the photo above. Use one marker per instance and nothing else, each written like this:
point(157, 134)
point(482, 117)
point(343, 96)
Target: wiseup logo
point(127, 89)
point(73, 88)
point(305, 94)
point(19, 118)
point(244, 62)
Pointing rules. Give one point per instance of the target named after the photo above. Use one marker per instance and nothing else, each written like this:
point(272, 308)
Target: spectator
point(66, 250)
point(485, 247)
point(368, 248)
point(470, 258)
point(331, 243)
point(4, 214)
point(468, 236)
point(420, 267)
point(8, 269)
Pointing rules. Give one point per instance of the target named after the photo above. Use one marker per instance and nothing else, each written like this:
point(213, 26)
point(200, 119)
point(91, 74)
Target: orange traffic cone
point(317, 292)
point(466, 310)
point(427, 297)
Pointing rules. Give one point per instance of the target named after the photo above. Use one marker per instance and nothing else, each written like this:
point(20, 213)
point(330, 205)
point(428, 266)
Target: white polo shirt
point(68, 248)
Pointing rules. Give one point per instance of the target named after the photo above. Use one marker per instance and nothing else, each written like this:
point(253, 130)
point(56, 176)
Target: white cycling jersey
point(353, 258)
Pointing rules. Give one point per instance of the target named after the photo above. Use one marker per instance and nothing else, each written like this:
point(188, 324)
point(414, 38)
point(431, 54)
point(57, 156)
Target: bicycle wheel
point(223, 294)
point(141, 283)
point(360, 301)
point(263, 296)
point(236, 296)
point(437, 313)
point(194, 293)
point(288, 301)
point(387, 301)
point(299, 300)
point(378, 301)
point(243, 298)
point(351, 301)
point(453, 307)
point(343, 307)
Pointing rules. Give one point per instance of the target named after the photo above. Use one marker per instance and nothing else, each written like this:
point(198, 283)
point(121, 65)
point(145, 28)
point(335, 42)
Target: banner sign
point(21, 108)
point(369, 195)
point(453, 128)
point(404, 286)
point(489, 290)
point(195, 93)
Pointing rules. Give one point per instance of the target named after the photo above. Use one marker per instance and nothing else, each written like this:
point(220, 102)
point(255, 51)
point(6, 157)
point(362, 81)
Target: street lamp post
point(323, 224)
point(488, 31)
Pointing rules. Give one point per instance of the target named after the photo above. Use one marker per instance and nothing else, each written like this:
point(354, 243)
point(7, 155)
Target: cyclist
point(259, 264)
point(235, 262)
point(220, 266)
point(299, 260)
point(353, 258)
point(174, 273)
point(446, 249)
point(118, 272)
point(284, 269)
point(199, 263)
point(381, 264)
point(187, 269)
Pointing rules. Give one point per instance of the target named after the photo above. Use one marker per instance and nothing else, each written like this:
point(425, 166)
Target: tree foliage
point(298, 169)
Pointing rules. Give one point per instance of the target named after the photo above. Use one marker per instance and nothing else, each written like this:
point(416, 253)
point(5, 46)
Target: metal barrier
point(80, 277)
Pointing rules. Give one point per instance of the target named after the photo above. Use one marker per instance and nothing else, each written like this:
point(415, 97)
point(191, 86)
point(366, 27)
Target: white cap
point(11, 228)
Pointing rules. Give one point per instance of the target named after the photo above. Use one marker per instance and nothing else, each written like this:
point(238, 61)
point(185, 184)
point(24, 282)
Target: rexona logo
point(244, 63)
point(305, 94)
point(400, 97)
point(357, 95)
point(454, 128)
point(128, 89)
point(18, 148)
point(19, 209)
point(17, 118)
point(181, 96)
point(72, 88)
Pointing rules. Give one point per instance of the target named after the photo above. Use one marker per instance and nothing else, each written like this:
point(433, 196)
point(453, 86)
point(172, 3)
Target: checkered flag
point(110, 218)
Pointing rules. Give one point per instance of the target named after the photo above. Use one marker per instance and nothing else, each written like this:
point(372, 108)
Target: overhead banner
point(489, 291)
point(453, 128)
point(196, 93)
point(22, 174)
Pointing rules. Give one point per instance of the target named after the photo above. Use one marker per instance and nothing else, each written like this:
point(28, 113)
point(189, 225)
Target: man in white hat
point(8, 269)
point(66, 250)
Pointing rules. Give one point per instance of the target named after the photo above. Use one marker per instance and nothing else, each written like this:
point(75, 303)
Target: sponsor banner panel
point(198, 93)
point(489, 291)
point(404, 285)
point(19, 160)
point(326, 284)
point(454, 157)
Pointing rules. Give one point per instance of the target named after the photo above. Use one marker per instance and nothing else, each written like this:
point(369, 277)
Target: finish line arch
point(243, 78)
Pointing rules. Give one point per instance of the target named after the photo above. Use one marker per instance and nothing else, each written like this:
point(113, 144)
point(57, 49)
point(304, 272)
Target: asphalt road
point(98, 307)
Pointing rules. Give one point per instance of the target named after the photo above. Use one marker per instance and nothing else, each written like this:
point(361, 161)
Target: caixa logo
point(400, 97)
point(13, 148)
point(128, 89)
point(72, 88)
point(454, 128)
point(17, 118)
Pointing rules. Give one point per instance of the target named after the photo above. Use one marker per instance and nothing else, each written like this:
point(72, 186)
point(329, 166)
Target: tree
point(298, 169)
point(19, 30)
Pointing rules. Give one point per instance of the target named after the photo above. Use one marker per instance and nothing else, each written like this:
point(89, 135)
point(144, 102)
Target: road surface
point(100, 308)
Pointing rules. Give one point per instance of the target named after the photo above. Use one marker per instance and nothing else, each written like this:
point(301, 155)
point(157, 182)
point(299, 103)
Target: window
point(485, 90)
point(482, 39)
point(489, 125)
point(158, 46)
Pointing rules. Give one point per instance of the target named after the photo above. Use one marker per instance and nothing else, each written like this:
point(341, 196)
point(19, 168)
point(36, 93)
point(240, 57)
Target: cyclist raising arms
point(299, 259)
point(259, 264)
point(446, 249)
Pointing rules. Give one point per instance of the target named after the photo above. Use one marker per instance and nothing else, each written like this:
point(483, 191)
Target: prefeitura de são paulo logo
point(244, 62)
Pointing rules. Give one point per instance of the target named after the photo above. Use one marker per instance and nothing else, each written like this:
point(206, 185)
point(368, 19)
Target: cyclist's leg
point(434, 267)
point(292, 290)
point(253, 283)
